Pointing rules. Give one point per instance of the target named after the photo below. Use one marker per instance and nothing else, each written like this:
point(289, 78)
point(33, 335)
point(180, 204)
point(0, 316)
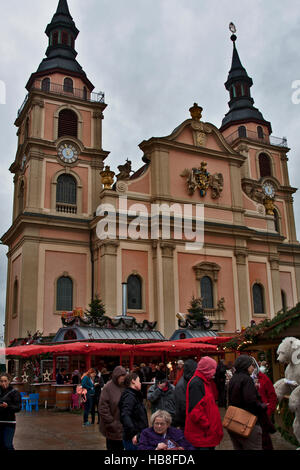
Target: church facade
point(249, 265)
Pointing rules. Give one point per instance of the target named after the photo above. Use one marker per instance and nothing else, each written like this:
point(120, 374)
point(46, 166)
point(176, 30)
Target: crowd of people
point(185, 402)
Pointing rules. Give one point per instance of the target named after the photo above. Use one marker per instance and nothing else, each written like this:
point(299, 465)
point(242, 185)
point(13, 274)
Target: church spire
point(61, 53)
point(241, 109)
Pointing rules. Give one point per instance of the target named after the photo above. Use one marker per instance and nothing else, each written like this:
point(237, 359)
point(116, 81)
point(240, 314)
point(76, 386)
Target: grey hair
point(163, 415)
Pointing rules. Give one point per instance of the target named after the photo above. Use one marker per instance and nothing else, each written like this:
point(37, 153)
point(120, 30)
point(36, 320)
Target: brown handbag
point(239, 421)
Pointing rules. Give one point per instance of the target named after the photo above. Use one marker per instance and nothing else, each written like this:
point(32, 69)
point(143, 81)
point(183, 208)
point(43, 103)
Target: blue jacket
point(88, 384)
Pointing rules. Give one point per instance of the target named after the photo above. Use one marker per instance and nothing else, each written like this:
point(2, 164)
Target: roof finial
point(232, 28)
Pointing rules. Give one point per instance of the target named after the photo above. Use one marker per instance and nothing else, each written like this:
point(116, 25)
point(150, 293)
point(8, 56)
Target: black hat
point(243, 362)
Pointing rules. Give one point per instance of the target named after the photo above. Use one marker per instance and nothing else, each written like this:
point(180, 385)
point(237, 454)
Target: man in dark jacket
point(133, 414)
point(161, 396)
point(242, 393)
point(180, 393)
point(220, 379)
point(110, 424)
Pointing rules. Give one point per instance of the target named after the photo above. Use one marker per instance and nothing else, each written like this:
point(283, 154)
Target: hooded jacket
point(110, 424)
point(13, 399)
point(203, 425)
point(180, 393)
point(242, 392)
point(267, 392)
point(162, 399)
point(133, 414)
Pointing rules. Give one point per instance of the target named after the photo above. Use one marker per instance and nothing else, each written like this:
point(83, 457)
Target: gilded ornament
point(107, 177)
point(269, 205)
point(201, 179)
point(196, 112)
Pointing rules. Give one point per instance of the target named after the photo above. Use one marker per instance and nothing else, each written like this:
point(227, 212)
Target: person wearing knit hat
point(203, 425)
point(242, 393)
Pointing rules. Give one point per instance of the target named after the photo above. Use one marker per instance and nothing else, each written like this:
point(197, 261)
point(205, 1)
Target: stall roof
point(107, 334)
point(192, 333)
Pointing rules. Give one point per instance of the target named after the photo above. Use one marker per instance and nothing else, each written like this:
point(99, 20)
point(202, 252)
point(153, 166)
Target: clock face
point(68, 153)
point(269, 189)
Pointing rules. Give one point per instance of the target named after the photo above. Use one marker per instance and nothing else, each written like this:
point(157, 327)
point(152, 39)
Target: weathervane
point(232, 28)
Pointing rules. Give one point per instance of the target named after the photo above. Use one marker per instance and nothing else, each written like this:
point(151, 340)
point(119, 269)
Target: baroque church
point(249, 266)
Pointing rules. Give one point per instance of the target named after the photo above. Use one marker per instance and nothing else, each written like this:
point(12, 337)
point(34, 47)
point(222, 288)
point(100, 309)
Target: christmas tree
point(196, 310)
point(97, 309)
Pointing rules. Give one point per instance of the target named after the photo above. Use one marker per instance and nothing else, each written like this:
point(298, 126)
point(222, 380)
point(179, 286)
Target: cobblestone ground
point(53, 430)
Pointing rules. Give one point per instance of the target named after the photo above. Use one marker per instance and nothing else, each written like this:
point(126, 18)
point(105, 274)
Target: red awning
point(174, 347)
point(216, 340)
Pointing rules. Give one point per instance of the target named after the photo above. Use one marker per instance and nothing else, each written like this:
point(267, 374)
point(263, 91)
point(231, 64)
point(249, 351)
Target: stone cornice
point(164, 144)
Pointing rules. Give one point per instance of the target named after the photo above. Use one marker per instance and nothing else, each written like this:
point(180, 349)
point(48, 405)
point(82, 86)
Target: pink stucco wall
point(258, 273)
point(287, 287)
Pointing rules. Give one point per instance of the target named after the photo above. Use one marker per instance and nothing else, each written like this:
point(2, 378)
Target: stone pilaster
point(36, 116)
point(29, 288)
point(108, 275)
point(275, 276)
point(167, 253)
point(291, 219)
point(97, 117)
point(243, 279)
point(236, 193)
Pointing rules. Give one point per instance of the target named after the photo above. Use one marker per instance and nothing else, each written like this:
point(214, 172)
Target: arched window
point(46, 84)
point(64, 38)
point(264, 165)
point(258, 298)
point(55, 38)
point(67, 123)
point(70, 335)
point(134, 292)
point(64, 294)
point(242, 131)
point(260, 132)
point(283, 300)
point(207, 292)
point(68, 85)
point(66, 190)
point(15, 298)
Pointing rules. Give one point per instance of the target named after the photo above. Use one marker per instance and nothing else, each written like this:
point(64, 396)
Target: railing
point(251, 135)
point(66, 208)
point(59, 89)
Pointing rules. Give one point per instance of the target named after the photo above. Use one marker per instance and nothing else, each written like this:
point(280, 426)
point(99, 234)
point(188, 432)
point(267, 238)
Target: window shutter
point(67, 123)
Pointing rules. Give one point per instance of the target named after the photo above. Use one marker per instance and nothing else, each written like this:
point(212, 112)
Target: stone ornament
point(269, 205)
point(200, 178)
point(200, 129)
point(124, 170)
point(121, 187)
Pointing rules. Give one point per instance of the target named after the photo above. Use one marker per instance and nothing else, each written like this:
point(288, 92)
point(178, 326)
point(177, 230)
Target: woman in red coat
point(268, 395)
point(203, 425)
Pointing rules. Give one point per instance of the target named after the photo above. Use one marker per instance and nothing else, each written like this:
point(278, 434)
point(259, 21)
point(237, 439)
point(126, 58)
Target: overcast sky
point(154, 59)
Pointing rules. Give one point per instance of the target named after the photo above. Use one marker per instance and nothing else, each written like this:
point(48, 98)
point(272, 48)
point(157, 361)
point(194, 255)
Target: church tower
point(266, 194)
point(56, 187)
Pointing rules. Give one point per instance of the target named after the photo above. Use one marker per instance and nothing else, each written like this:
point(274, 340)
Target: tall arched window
point(64, 38)
point(258, 298)
point(67, 123)
point(134, 292)
point(46, 84)
point(66, 190)
point(68, 85)
point(283, 300)
point(242, 131)
point(64, 294)
point(55, 38)
point(264, 165)
point(260, 132)
point(207, 292)
point(15, 298)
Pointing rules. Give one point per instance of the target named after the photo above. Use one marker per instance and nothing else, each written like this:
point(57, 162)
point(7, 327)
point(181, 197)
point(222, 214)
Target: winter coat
point(180, 393)
point(150, 439)
point(110, 424)
point(242, 392)
point(203, 425)
point(13, 399)
point(99, 384)
point(267, 392)
point(133, 414)
point(162, 400)
point(87, 383)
